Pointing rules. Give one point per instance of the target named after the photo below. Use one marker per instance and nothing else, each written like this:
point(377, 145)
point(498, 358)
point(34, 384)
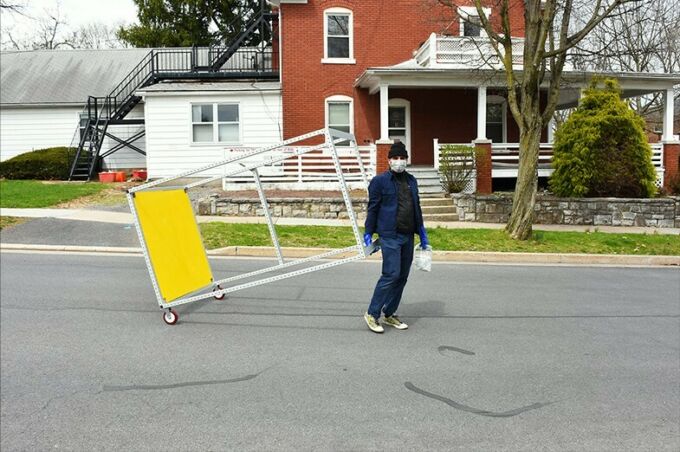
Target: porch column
point(671, 162)
point(384, 113)
point(481, 113)
point(482, 146)
point(671, 146)
point(551, 130)
point(668, 116)
point(382, 146)
point(483, 167)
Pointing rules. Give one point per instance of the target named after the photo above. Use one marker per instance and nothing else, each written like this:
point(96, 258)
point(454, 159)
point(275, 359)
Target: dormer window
point(338, 36)
point(470, 22)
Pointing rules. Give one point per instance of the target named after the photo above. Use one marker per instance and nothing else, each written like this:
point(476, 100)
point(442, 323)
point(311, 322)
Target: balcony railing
point(464, 52)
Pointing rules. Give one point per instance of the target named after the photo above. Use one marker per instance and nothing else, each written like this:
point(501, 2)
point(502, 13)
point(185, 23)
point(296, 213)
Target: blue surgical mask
point(398, 165)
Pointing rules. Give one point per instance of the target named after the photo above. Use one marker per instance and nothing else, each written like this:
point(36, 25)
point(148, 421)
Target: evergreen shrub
point(601, 150)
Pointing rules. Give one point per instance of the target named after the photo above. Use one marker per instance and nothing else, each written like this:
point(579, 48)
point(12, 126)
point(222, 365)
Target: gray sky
point(76, 12)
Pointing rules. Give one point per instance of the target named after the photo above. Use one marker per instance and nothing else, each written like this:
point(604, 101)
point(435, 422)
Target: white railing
point(311, 169)
point(657, 161)
point(505, 159)
point(464, 51)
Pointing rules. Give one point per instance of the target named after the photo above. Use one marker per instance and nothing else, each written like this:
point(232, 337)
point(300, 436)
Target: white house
point(193, 124)
point(44, 92)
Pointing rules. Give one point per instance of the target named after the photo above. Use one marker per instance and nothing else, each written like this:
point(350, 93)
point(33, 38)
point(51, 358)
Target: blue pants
point(397, 254)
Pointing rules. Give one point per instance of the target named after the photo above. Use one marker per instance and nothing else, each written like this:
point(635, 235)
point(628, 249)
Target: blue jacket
point(383, 199)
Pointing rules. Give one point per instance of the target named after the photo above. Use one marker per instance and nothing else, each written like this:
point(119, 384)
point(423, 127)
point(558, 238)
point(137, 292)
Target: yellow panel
point(174, 243)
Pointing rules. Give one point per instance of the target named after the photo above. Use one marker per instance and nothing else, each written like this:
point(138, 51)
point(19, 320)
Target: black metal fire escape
point(233, 61)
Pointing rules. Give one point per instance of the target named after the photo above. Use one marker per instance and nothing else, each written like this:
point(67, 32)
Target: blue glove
point(424, 242)
point(368, 239)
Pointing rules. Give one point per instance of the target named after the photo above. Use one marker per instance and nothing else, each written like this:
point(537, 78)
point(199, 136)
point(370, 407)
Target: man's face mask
point(398, 165)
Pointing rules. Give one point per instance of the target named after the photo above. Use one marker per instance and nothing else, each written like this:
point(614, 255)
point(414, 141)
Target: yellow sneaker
point(373, 324)
point(394, 321)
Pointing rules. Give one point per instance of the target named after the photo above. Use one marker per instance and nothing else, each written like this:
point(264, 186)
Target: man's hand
point(368, 239)
point(424, 242)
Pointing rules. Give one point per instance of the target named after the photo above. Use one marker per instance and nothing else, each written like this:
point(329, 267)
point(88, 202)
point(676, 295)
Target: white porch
point(470, 63)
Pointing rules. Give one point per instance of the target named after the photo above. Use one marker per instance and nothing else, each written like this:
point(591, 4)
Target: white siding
point(168, 129)
point(27, 129)
point(126, 158)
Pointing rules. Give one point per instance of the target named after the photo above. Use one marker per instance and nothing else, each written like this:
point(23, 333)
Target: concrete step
point(438, 195)
point(440, 217)
point(431, 189)
point(428, 210)
point(439, 201)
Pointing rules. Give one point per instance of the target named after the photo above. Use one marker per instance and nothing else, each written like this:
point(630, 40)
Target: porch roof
point(410, 74)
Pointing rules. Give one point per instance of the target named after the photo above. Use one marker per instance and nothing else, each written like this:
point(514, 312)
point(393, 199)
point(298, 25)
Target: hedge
point(42, 164)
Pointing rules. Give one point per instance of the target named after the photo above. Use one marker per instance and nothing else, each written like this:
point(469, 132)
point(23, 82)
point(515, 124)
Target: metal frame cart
point(171, 241)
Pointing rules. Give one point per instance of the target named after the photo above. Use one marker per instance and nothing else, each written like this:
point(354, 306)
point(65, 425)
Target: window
point(339, 113)
point(397, 123)
point(470, 22)
point(338, 36)
point(212, 123)
point(472, 26)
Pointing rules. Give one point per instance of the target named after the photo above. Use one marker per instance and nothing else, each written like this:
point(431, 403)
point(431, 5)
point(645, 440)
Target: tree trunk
point(521, 218)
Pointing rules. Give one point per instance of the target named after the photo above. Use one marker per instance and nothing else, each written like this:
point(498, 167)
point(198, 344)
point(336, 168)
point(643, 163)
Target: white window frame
point(495, 99)
point(332, 12)
point(398, 102)
point(466, 11)
point(215, 124)
point(338, 99)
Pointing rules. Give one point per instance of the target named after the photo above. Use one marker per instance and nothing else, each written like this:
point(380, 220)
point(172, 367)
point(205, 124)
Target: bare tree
point(549, 35)
point(12, 6)
point(50, 31)
point(646, 39)
point(97, 35)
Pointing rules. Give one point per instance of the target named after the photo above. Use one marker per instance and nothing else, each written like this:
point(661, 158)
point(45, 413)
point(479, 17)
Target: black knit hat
point(397, 150)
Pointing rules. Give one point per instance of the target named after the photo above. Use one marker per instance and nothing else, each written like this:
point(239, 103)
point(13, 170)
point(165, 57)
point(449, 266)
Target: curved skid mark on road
point(177, 385)
point(443, 348)
point(459, 406)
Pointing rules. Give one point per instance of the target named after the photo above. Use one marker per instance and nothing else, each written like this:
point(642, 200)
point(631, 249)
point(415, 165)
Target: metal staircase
point(234, 61)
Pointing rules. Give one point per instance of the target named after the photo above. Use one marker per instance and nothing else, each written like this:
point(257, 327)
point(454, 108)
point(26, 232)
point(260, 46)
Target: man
point(394, 214)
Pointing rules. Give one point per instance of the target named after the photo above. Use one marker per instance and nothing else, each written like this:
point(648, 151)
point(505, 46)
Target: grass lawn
point(32, 194)
point(217, 235)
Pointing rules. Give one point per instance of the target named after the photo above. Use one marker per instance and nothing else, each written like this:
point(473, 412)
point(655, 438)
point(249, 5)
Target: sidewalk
point(126, 218)
point(100, 231)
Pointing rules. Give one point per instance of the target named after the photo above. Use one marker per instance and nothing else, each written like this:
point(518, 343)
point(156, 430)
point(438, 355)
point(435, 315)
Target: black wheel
point(220, 296)
point(170, 317)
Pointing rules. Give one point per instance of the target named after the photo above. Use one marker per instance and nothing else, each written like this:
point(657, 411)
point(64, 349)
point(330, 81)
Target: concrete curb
point(438, 256)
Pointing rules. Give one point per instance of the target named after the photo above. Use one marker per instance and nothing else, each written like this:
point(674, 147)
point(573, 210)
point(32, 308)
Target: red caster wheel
point(220, 296)
point(170, 317)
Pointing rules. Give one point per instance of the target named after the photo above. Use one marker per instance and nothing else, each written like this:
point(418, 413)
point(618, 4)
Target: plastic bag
point(423, 258)
point(374, 247)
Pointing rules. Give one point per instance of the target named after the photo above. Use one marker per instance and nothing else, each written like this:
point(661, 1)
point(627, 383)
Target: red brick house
point(411, 70)
point(408, 70)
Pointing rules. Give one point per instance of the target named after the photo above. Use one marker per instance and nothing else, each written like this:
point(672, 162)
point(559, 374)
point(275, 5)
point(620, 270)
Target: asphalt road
point(496, 358)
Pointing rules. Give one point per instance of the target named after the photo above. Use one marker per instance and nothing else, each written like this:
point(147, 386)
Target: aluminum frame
point(331, 138)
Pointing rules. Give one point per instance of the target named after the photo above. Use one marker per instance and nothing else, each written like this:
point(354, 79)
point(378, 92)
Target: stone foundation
point(326, 208)
point(656, 212)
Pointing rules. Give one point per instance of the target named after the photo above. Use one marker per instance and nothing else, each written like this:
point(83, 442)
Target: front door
point(399, 123)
